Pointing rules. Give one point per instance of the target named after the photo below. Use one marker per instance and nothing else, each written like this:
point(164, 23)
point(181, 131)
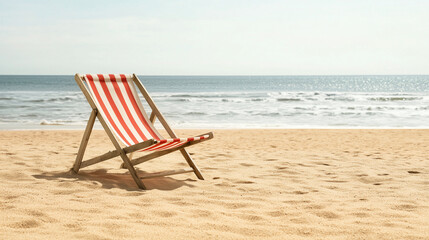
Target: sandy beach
point(260, 184)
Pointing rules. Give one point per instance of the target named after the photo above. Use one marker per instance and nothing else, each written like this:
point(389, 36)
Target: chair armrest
point(139, 146)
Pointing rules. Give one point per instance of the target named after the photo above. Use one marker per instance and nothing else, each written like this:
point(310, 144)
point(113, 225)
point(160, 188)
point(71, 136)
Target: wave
point(341, 99)
point(288, 99)
point(182, 95)
point(195, 113)
point(393, 99)
point(36, 101)
point(209, 100)
point(237, 108)
point(181, 100)
point(229, 113)
point(57, 99)
point(12, 106)
point(29, 115)
point(268, 114)
point(68, 98)
point(46, 122)
point(61, 122)
point(240, 97)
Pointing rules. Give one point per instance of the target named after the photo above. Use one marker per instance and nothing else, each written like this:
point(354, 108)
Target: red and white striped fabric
point(165, 144)
point(119, 104)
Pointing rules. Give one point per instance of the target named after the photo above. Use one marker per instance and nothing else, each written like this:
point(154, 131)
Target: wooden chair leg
point(84, 142)
point(132, 170)
point(123, 154)
point(191, 163)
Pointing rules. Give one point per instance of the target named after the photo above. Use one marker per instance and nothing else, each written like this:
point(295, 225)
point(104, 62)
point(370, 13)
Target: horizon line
point(227, 75)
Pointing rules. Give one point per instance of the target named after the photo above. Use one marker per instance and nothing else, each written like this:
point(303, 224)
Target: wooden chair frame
point(122, 152)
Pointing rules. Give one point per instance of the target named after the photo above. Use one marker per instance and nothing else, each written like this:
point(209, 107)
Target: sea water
point(52, 102)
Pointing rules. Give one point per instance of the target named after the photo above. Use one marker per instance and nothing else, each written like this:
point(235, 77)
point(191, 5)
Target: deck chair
point(116, 104)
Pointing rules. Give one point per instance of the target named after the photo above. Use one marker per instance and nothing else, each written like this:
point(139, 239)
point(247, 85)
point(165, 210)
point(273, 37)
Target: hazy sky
point(215, 37)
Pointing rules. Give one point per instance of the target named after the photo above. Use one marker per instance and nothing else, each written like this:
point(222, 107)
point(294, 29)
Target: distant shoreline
point(99, 128)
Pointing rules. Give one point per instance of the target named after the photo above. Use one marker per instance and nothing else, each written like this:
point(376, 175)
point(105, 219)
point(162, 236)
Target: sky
point(230, 37)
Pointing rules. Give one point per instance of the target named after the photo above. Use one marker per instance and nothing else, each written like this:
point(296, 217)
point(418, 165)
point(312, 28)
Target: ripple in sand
point(299, 192)
point(246, 164)
point(236, 205)
point(251, 217)
point(361, 214)
point(201, 213)
point(276, 214)
point(244, 182)
point(165, 214)
point(327, 214)
point(270, 159)
point(25, 224)
point(75, 227)
point(405, 207)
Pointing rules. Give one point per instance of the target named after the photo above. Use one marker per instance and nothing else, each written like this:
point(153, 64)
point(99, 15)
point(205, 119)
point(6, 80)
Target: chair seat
point(171, 143)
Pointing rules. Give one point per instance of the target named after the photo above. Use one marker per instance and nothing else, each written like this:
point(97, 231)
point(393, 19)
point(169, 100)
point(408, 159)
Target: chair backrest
point(118, 103)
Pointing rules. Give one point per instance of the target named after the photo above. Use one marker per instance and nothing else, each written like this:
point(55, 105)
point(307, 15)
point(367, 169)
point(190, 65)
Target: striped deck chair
point(116, 104)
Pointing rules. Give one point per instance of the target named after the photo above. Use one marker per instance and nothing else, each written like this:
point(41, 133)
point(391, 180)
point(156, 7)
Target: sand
point(260, 184)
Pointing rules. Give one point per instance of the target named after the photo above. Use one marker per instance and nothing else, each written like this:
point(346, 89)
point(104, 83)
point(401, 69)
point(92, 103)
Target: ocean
point(213, 102)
